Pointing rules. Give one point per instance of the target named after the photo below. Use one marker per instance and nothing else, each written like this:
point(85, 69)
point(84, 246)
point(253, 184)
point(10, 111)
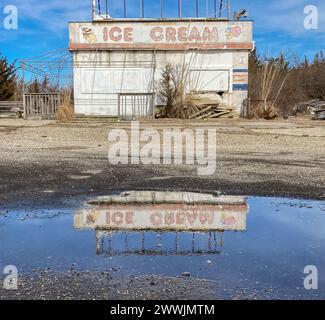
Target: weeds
point(65, 112)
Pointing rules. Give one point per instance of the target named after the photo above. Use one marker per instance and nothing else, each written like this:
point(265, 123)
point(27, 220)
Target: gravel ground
point(49, 161)
point(74, 285)
point(101, 286)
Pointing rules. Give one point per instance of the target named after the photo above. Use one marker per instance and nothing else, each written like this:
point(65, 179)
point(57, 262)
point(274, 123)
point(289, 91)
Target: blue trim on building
point(240, 70)
point(240, 87)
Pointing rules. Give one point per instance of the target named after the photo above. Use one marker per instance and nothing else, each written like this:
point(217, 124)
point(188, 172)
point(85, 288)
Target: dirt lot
point(49, 161)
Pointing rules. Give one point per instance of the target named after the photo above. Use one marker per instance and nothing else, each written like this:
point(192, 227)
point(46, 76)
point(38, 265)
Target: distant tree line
point(11, 85)
point(278, 85)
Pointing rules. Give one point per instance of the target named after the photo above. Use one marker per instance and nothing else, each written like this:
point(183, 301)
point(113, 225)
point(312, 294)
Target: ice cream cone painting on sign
point(89, 35)
point(233, 32)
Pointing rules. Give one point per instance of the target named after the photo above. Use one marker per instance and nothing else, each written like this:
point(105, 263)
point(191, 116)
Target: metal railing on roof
point(107, 9)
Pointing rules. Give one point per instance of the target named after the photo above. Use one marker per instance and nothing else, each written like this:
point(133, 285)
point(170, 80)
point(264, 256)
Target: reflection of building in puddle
point(189, 227)
point(158, 243)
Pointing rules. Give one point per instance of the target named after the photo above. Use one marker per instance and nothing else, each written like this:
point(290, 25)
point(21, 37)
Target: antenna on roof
point(243, 13)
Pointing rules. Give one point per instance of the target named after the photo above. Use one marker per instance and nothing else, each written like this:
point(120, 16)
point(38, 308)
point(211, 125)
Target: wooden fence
point(41, 105)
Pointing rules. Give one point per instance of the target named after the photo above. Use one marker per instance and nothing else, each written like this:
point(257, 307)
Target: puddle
point(258, 244)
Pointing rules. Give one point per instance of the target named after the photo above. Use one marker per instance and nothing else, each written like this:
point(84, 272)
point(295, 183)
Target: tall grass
point(65, 112)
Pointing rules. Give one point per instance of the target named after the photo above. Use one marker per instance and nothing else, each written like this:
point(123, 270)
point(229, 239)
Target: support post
point(207, 8)
point(161, 9)
point(142, 9)
point(24, 97)
point(179, 8)
point(197, 8)
point(94, 9)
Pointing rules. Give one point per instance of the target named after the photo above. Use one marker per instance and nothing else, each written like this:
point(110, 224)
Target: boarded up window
point(114, 80)
point(209, 80)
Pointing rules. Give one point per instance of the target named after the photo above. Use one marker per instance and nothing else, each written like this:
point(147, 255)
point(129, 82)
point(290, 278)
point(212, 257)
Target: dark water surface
point(282, 237)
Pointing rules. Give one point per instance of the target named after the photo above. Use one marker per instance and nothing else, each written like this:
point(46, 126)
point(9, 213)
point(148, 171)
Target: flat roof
point(161, 20)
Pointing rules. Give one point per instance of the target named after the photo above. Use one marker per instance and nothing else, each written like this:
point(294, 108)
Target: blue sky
point(43, 24)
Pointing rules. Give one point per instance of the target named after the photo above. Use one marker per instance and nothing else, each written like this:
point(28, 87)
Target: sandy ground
point(46, 160)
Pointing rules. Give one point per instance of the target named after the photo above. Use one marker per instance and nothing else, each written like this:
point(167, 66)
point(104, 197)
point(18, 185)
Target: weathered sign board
point(161, 35)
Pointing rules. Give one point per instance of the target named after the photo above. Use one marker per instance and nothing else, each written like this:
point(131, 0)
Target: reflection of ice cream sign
point(233, 32)
point(151, 223)
point(163, 217)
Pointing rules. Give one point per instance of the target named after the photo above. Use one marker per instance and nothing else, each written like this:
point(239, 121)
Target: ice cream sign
point(159, 34)
point(172, 35)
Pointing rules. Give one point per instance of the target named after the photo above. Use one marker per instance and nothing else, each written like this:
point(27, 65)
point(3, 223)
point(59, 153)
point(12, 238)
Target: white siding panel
point(209, 80)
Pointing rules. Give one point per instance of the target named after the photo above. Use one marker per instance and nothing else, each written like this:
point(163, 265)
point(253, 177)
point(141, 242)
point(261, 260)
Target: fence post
point(24, 106)
point(119, 106)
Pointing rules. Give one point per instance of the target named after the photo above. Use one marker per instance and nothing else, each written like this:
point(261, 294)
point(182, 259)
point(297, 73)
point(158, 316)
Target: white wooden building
point(118, 62)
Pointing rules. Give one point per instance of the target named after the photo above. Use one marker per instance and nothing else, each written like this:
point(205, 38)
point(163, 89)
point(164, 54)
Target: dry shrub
point(172, 90)
point(267, 80)
point(65, 112)
point(266, 111)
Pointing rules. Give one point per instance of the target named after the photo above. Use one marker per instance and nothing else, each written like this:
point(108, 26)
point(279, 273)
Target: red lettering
point(180, 218)
point(105, 34)
point(156, 219)
point(157, 34)
point(206, 218)
point(117, 218)
point(108, 217)
point(182, 34)
point(210, 35)
point(171, 34)
point(128, 34)
point(129, 217)
point(191, 217)
point(194, 35)
point(115, 34)
point(169, 219)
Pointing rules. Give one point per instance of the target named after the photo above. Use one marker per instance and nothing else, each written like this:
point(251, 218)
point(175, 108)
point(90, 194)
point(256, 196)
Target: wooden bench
point(10, 109)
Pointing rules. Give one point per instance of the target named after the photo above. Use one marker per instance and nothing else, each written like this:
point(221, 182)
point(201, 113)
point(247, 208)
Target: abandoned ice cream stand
point(118, 61)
